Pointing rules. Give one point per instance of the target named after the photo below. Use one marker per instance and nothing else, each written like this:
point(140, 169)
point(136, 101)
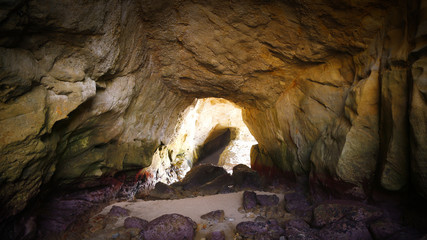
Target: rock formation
point(330, 89)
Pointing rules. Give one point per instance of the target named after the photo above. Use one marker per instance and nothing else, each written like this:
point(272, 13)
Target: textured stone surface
point(89, 89)
point(214, 216)
point(170, 226)
point(135, 222)
point(249, 200)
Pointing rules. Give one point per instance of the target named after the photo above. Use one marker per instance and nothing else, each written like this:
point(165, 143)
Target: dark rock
point(406, 233)
point(246, 178)
point(117, 211)
point(267, 200)
point(249, 200)
point(252, 229)
point(332, 211)
point(298, 229)
point(274, 230)
point(218, 185)
point(217, 235)
point(170, 226)
point(345, 229)
point(260, 230)
point(214, 216)
point(59, 212)
point(162, 191)
point(383, 229)
point(135, 222)
point(298, 204)
point(200, 175)
point(260, 219)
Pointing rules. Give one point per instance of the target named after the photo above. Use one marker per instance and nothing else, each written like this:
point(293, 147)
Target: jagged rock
point(245, 178)
point(90, 89)
point(170, 226)
point(135, 222)
point(221, 184)
point(249, 200)
point(383, 229)
point(214, 216)
point(199, 176)
point(217, 235)
point(267, 200)
point(117, 211)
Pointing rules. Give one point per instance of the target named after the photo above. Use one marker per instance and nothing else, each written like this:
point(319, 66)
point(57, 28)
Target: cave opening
point(212, 131)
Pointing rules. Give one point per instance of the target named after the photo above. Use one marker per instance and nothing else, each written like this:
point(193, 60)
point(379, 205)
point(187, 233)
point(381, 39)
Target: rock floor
point(187, 211)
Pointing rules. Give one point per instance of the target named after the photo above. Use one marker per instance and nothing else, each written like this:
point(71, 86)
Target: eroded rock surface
point(334, 89)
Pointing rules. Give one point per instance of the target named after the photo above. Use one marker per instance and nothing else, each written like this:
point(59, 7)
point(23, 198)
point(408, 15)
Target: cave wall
point(330, 88)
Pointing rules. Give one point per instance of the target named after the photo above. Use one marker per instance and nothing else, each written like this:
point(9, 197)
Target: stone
point(170, 226)
point(117, 211)
point(267, 200)
point(163, 191)
point(322, 88)
point(298, 204)
point(246, 178)
point(214, 216)
point(221, 184)
point(249, 200)
point(200, 175)
point(417, 119)
point(135, 222)
point(330, 212)
point(216, 235)
point(299, 229)
point(345, 229)
point(260, 230)
point(252, 229)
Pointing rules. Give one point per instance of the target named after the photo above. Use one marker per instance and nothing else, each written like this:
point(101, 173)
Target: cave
point(300, 108)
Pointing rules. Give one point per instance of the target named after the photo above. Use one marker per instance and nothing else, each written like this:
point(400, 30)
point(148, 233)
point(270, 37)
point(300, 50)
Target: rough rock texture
point(170, 226)
point(330, 88)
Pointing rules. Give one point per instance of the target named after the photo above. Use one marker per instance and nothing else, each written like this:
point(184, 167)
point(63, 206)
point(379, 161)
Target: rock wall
point(330, 88)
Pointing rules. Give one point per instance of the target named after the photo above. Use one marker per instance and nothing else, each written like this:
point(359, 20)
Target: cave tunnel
point(108, 109)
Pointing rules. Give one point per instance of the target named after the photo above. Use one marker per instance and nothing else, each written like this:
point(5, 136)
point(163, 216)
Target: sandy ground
point(193, 208)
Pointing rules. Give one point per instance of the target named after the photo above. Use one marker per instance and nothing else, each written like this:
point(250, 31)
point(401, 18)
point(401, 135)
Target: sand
point(193, 208)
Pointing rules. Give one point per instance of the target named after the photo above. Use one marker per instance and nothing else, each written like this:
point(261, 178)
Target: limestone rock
point(418, 118)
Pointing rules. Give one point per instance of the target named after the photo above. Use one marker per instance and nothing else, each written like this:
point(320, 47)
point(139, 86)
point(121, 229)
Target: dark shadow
point(214, 145)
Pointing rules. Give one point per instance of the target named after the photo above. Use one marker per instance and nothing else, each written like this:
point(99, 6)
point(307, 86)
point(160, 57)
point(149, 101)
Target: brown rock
point(214, 216)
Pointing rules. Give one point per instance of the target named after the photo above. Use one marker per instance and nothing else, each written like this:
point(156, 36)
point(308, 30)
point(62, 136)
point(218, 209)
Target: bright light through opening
point(197, 123)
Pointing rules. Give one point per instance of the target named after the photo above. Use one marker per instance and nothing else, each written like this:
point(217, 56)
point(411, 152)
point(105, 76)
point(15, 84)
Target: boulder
point(200, 175)
point(246, 178)
point(260, 230)
point(249, 200)
point(170, 226)
point(214, 216)
point(216, 235)
point(345, 229)
point(117, 211)
point(267, 200)
point(135, 222)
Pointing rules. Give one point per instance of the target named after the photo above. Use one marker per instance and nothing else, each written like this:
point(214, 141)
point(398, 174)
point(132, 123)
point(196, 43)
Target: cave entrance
point(211, 130)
